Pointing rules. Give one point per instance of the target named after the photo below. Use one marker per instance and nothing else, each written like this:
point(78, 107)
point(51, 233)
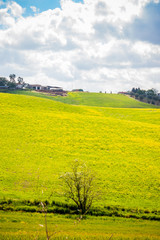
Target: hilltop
point(92, 99)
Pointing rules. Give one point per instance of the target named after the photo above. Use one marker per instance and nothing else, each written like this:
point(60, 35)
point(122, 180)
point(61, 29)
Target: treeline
point(149, 96)
point(12, 82)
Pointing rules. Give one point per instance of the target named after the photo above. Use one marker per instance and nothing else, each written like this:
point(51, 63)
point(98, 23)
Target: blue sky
point(42, 5)
point(100, 45)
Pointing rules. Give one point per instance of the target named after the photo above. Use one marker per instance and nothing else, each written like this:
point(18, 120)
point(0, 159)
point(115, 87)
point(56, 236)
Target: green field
point(27, 226)
point(102, 100)
point(92, 99)
point(40, 138)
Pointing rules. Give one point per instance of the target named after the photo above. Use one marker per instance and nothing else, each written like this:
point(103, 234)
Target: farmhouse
point(55, 88)
point(77, 90)
point(4, 87)
point(45, 88)
point(35, 87)
point(122, 92)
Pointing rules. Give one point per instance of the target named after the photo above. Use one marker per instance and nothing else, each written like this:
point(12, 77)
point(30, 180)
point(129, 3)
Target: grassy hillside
point(102, 100)
point(93, 99)
point(40, 138)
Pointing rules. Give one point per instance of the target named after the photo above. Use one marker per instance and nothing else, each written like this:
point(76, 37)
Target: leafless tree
point(44, 210)
point(80, 187)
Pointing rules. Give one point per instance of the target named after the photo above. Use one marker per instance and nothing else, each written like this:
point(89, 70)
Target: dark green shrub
point(72, 207)
point(26, 209)
point(9, 201)
point(146, 211)
point(156, 218)
point(53, 203)
point(46, 202)
point(144, 217)
point(36, 202)
point(3, 202)
point(26, 202)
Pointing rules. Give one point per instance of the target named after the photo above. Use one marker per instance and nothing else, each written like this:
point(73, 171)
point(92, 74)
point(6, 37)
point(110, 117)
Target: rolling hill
point(40, 138)
point(92, 99)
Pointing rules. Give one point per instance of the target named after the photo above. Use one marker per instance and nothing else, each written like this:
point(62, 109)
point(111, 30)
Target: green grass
point(92, 99)
point(66, 208)
point(40, 138)
point(102, 100)
point(29, 226)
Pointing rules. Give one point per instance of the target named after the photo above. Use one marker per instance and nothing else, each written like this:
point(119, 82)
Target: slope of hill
point(92, 99)
point(40, 138)
point(102, 100)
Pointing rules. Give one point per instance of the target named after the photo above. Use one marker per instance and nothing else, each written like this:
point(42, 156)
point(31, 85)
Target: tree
point(133, 90)
point(12, 78)
point(141, 97)
point(79, 186)
point(20, 80)
point(136, 95)
point(152, 92)
point(3, 81)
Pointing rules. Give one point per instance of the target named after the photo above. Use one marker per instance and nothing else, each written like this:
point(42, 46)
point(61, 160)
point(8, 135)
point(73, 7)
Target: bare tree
point(79, 186)
point(44, 210)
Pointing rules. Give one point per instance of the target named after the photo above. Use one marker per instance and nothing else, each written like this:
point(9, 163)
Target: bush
point(36, 202)
point(141, 97)
point(136, 95)
point(26, 209)
point(10, 201)
point(146, 211)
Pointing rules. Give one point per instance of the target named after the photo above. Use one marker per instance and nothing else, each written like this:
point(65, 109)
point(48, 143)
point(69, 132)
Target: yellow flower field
point(40, 138)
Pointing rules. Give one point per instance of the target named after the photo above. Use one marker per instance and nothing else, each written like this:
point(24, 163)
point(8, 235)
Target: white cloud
point(5, 18)
point(16, 9)
point(10, 13)
point(34, 9)
point(79, 45)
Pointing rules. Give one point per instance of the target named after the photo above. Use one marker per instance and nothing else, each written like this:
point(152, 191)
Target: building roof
point(35, 85)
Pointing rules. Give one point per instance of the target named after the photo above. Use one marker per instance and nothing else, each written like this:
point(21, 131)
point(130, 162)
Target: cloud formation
point(90, 45)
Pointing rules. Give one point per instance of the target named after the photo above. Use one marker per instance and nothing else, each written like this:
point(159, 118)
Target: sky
point(97, 45)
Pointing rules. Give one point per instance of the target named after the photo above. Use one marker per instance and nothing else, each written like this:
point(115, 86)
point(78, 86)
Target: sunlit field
point(29, 226)
point(91, 99)
point(40, 138)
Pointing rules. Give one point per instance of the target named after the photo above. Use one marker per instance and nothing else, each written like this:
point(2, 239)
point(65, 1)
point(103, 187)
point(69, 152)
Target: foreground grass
point(31, 226)
point(40, 138)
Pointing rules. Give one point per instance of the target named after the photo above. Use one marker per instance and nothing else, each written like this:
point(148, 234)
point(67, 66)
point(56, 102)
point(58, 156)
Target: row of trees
point(12, 82)
point(150, 95)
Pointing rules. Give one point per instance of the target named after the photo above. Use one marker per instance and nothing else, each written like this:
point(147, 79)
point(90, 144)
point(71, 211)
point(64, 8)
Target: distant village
point(19, 83)
point(151, 96)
